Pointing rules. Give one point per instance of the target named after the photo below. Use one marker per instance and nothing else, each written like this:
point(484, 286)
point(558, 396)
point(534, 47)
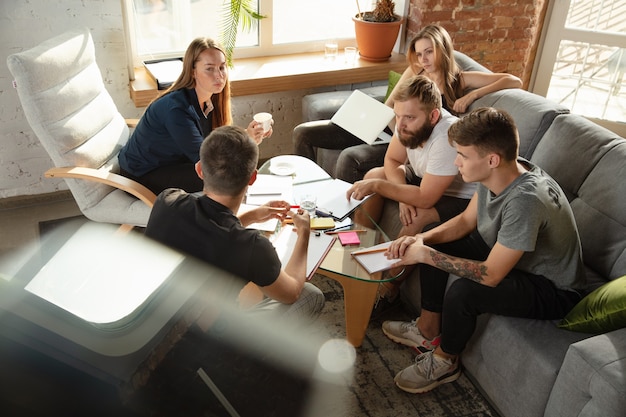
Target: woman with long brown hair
point(431, 53)
point(165, 145)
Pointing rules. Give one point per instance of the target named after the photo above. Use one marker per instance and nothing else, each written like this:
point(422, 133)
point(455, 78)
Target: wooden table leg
point(358, 297)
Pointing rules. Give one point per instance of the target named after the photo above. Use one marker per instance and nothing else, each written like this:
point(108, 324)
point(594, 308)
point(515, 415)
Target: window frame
point(265, 47)
point(556, 31)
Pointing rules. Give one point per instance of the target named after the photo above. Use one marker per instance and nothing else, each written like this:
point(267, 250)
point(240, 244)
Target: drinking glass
point(331, 49)
point(308, 202)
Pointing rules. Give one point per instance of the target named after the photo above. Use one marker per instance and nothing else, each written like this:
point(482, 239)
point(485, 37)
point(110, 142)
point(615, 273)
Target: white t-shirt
point(436, 157)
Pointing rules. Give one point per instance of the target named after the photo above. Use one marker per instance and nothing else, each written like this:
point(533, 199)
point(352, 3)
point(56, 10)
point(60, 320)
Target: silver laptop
point(365, 117)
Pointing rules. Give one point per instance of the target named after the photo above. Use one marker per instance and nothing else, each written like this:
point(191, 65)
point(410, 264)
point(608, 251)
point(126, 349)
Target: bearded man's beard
point(416, 138)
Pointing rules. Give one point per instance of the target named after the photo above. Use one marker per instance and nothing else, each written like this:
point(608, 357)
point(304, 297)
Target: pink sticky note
point(349, 238)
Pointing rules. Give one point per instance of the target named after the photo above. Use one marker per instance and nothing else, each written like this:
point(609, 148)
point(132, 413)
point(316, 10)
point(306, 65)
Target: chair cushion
point(67, 106)
point(83, 127)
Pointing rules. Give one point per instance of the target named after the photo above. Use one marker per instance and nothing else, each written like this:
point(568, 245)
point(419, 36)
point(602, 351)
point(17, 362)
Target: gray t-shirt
point(533, 215)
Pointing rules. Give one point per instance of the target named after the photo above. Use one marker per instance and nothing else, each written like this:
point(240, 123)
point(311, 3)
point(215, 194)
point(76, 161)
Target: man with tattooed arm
point(515, 248)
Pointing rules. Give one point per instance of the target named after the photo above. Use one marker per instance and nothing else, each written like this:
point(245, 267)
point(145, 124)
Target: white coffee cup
point(265, 119)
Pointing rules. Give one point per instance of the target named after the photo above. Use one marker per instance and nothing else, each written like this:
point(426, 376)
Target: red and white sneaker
point(407, 333)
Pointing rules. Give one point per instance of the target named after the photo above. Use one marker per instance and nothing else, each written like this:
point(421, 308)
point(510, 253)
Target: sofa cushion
point(602, 311)
point(587, 160)
point(532, 113)
point(322, 106)
point(394, 77)
point(468, 64)
point(591, 381)
point(507, 352)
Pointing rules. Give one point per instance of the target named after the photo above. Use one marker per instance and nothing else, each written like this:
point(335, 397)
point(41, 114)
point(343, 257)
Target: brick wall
point(500, 34)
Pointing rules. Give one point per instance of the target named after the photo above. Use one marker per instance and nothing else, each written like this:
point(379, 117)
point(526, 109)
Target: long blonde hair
point(222, 113)
point(444, 54)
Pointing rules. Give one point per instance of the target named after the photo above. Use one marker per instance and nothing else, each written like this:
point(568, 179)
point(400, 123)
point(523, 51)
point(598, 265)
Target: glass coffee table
point(359, 286)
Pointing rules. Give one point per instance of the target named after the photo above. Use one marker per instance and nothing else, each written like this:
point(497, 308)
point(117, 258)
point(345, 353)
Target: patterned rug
point(373, 392)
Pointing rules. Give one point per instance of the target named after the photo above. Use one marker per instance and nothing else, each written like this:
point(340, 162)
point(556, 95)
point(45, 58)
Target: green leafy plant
point(237, 13)
point(383, 12)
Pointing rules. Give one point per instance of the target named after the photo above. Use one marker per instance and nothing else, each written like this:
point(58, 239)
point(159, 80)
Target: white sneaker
point(428, 372)
point(407, 333)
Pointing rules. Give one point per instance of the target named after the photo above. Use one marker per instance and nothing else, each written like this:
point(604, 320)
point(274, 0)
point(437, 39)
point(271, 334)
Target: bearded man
point(419, 171)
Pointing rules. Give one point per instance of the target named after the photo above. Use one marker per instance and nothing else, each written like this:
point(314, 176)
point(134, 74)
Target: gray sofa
point(532, 368)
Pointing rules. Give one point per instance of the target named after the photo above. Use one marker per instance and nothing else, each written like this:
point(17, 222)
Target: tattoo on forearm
point(461, 267)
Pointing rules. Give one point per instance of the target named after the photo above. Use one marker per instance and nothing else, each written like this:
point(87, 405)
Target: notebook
point(364, 117)
point(373, 259)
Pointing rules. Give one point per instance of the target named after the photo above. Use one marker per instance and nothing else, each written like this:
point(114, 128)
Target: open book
point(373, 259)
point(319, 245)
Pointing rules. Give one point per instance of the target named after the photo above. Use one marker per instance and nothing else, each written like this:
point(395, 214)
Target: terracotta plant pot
point(375, 40)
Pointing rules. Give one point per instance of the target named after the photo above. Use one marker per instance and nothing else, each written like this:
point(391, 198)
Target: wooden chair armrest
point(131, 122)
point(105, 177)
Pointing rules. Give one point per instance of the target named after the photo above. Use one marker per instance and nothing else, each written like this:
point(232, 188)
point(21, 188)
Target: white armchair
point(67, 106)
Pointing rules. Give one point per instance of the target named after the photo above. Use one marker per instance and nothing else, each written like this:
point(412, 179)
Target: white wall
point(24, 24)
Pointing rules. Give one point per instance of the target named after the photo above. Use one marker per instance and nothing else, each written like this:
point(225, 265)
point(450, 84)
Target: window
point(163, 28)
point(583, 60)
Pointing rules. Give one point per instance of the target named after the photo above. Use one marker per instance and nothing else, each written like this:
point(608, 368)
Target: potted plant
point(236, 12)
point(376, 31)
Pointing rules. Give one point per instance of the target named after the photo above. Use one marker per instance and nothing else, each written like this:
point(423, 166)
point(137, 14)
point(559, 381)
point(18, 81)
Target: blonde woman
point(163, 149)
point(431, 53)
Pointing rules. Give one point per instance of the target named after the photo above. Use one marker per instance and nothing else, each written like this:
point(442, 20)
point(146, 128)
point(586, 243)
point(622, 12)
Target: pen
point(337, 228)
point(334, 232)
point(363, 252)
point(295, 206)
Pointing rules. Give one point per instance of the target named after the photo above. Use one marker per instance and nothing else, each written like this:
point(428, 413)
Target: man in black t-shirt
point(207, 228)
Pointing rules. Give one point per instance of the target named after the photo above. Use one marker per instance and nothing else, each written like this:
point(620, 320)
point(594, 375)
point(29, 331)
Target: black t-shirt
point(207, 230)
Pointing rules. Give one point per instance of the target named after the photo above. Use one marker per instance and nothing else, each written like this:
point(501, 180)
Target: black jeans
point(519, 294)
point(321, 134)
point(356, 157)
